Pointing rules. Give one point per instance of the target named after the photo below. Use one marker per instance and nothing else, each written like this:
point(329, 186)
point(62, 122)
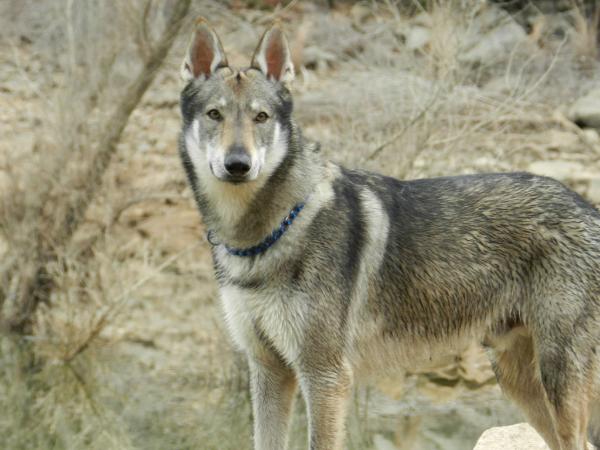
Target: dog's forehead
point(235, 88)
point(248, 87)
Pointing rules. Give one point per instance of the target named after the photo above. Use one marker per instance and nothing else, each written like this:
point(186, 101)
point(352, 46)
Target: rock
point(591, 136)
point(474, 366)
point(3, 247)
point(514, 437)
point(173, 229)
point(381, 443)
point(561, 170)
point(22, 143)
point(494, 34)
point(417, 38)
point(550, 30)
point(14, 85)
point(5, 181)
point(423, 19)
point(593, 192)
point(416, 34)
point(318, 58)
point(393, 387)
point(162, 96)
point(585, 112)
point(562, 140)
point(360, 13)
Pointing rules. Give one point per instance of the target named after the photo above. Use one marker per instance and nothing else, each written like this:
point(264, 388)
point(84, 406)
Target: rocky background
point(129, 350)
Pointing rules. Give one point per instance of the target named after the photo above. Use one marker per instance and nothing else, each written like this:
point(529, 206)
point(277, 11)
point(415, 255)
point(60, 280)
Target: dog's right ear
point(205, 53)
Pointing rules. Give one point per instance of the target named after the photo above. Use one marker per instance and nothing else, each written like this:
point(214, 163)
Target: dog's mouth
point(227, 177)
point(235, 179)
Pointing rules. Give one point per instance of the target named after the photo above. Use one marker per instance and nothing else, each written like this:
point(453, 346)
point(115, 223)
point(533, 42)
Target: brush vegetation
point(111, 335)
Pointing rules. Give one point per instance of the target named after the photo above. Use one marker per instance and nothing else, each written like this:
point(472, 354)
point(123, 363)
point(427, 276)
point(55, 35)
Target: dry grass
point(586, 20)
point(129, 351)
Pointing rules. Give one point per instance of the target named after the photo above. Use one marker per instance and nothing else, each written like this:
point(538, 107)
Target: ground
point(408, 94)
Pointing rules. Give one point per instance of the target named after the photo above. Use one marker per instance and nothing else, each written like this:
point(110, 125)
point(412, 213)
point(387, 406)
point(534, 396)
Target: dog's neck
point(243, 215)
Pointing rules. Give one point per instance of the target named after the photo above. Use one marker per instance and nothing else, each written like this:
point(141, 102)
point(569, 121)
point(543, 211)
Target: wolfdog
point(326, 274)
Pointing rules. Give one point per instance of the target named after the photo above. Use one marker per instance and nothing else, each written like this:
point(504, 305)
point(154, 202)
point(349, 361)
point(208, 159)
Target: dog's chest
point(271, 317)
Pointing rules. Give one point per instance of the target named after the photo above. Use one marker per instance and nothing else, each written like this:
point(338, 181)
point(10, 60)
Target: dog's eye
point(261, 117)
point(214, 114)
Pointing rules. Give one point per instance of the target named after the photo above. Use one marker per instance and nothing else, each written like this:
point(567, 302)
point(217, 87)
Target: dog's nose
point(237, 162)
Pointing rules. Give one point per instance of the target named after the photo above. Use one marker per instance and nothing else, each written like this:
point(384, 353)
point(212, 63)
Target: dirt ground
point(406, 94)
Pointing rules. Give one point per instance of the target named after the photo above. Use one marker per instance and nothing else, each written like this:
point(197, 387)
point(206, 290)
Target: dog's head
point(236, 122)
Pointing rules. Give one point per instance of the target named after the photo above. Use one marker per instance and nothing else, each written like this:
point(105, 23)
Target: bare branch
point(35, 285)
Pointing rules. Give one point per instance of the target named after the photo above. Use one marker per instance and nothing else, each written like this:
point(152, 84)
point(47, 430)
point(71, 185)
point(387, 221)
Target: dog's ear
point(272, 56)
point(205, 53)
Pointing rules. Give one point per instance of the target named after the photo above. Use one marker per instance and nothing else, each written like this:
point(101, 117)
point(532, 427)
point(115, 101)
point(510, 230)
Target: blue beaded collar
point(267, 242)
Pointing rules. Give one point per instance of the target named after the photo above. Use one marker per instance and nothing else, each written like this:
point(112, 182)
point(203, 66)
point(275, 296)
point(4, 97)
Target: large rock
point(593, 192)
point(381, 443)
point(418, 37)
point(562, 170)
point(585, 112)
point(493, 35)
point(514, 437)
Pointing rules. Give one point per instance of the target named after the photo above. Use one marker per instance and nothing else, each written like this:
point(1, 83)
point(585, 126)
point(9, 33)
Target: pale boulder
point(586, 110)
point(593, 192)
point(515, 437)
point(418, 38)
point(493, 33)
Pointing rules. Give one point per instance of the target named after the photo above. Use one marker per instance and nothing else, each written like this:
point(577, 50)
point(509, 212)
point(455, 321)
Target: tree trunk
point(29, 280)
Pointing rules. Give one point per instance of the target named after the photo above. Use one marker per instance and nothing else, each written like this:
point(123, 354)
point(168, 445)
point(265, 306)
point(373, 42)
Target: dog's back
point(511, 259)
point(512, 254)
point(480, 248)
point(434, 259)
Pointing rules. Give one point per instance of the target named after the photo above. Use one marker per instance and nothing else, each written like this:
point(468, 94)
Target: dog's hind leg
point(513, 361)
point(567, 395)
point(565, 348)
point(594, 408)
point(594, 423)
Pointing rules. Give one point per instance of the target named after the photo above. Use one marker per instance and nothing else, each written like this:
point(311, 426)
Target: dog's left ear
point(272, 56)
point(205, 53)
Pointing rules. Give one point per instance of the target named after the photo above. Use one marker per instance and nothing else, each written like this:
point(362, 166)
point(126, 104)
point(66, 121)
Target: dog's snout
point(237, 161)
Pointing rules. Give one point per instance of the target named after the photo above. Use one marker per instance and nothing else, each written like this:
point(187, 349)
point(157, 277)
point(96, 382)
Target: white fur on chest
point(278, 314)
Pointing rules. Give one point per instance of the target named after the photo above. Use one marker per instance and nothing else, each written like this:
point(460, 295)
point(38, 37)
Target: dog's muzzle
point(237, 164)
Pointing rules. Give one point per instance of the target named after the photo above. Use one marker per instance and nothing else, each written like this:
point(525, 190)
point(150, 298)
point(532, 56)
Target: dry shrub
point(428, 113)
point(586, 18)
point(109, 62)
point(77, 380)
point(96, 62)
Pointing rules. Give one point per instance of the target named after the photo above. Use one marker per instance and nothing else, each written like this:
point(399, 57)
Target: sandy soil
point(174, 380)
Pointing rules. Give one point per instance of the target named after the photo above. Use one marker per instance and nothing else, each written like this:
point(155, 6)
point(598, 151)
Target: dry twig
point(35, 284)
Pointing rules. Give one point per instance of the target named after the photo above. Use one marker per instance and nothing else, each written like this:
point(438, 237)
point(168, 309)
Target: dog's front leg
point(273, 386)
point(326, 394)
